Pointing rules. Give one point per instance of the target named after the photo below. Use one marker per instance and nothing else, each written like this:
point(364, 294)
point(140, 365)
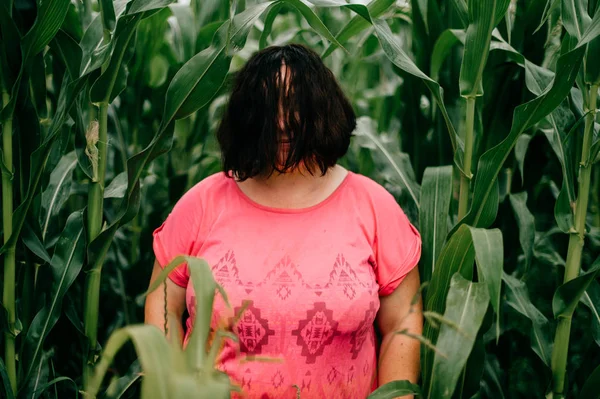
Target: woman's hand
point(399, 357)
point(155, 304)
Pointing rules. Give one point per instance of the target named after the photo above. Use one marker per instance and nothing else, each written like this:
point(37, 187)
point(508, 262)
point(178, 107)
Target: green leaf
point(37, 85)
point(197, 82)
point(8, 391)
point(268, 26)
point(154, 355)
point(489, 257)
point(526, 223)
point(591, 299)
point(58, 190)
point(592, 31)
point(461, 9)
point(50, 17)
point(68, 92)
point(65, 266)
point(55, 381)
point(465, 308)
point(204, 289)
point(517, 297)
point(394, 51)
point(358, 23)
point(32, 241)
point(118, 386)
point(113, 79)
point(68, 51)
point(591, 387)
point(436, 193)
point(442, 48)
point(108, 14)
point(365, 128)
point(314, 21)
point(395, 389)
point(567, 296)
point(525, 116)
point(483, 18)
point(520, 151)
point(185, 30)
point(140, 6)
point(575, 17)
point(457, 255)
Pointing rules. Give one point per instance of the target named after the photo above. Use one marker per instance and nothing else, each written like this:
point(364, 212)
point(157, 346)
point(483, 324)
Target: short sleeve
point(177, 235)
point(397, 247)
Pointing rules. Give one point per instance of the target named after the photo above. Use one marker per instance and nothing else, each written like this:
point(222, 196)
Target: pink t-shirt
point(313, 277)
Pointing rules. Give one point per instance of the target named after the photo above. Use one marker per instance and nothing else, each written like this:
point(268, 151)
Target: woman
point(323, 258)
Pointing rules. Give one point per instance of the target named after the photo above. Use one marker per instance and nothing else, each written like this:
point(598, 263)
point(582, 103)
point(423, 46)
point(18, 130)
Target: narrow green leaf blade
point(540, 336)
point(489, 257)
point(436, 193)
point(567, 296)
point(50, 17)
point(465, 307)
point(395, 389)
point(58, 190)
point(525, 116)
point(108, 14)
point(66, 263)
point(526, 223)
point(591, 387)
point(591, 299)
point(483, 18)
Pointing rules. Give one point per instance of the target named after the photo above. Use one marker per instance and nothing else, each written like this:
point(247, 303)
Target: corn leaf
point(153, 352)
point(395, 389)
point(591, 387)
point(526, 223)
point(436, 193)
point(50, 17)
point(358, 24)
point(66, 263)
point(196, 83)
point(592, 31)
point(483, 18)
point(314, 21)
point(567, 296)
point(525, 116)
point(268, 26)
point(68, 51)
point(108, 14)
point(540, 336)
point(365, 128)
point(204, 290)
point(489, 257)
point(68, 93)
point(457, 255)
point(8, 392)
point(591, 299)
point(113, 79)
point(465, 307)
point(575, 17)
point(33, 242)
point(57, 191)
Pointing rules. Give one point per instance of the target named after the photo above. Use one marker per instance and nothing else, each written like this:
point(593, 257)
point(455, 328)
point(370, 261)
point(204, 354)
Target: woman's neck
point(293, 190)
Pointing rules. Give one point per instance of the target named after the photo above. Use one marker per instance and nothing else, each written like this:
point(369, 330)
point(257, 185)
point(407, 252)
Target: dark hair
point(305, 105)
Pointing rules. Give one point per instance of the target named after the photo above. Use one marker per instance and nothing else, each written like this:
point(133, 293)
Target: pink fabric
point(313, 278)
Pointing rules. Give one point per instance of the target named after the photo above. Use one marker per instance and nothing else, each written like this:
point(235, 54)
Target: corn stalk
point(576, 241)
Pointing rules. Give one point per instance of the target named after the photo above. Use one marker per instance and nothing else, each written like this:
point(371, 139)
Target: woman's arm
point(399, 353)
point(155, 304)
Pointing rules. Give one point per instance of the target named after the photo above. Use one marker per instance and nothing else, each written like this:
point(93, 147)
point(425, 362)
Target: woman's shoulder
point(202, 192)
point(367, 189)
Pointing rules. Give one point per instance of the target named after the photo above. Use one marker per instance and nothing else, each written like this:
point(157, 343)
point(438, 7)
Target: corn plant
point(479, 116)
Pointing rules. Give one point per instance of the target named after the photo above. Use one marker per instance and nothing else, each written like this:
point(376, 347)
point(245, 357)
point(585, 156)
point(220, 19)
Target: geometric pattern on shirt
point(316, 331)
point(284, 277)
point(343, 275)
point(253, 331)
point(225, 271)
point(362, 332)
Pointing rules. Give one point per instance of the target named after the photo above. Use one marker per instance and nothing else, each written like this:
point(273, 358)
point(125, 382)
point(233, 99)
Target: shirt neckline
point(324, 202)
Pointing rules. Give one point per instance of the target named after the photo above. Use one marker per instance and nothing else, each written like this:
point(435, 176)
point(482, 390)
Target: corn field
point(480, 116)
